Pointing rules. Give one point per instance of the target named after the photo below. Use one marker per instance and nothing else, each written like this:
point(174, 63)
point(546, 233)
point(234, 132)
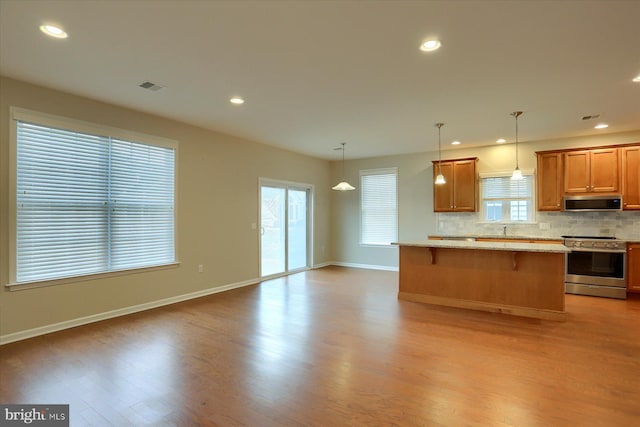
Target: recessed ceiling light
point(430, 45)
point(601, 126)
point(455, 143)
point(501, 141)
point(236, 100)
point(637, 78)
point(53, 31)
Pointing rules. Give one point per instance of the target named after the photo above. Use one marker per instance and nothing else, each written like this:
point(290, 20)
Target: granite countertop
point(492, 246)
point(493, 236)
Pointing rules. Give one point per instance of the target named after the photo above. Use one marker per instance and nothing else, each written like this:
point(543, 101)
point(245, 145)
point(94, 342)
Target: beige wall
point(214, 223)
point(217, 203)
point(415, 191)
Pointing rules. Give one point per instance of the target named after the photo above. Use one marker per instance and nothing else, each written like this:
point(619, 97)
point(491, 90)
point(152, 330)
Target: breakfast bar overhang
point(523, 279)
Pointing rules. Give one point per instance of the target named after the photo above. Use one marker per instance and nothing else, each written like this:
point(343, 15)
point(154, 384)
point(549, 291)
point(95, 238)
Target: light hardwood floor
point(334, 347)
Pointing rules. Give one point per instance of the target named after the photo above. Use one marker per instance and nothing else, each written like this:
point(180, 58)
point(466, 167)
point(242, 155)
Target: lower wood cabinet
point(633, 267)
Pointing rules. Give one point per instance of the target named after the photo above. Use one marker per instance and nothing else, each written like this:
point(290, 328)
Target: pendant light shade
point(440, 178)
point(344, 185)
point(517, 173)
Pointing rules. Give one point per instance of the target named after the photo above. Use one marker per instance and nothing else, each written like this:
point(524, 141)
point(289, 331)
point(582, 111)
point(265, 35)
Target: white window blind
point(89, 204)
point(507, 200)
point(379, 206)
point(141, 226)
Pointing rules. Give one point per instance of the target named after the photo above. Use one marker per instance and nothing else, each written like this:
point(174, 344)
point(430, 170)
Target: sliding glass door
point(285, 227)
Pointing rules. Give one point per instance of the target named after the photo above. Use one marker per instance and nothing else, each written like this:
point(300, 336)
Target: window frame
point(483, 211)
point(49, 120)
point(380, 171)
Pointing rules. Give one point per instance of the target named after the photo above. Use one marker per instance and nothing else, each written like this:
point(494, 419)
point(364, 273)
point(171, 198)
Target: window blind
point(141, 205)
point(504, 188)
point(89, 204)
point(379, 207)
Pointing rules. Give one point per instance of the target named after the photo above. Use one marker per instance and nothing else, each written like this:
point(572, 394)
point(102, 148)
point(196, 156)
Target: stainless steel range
point(596, 266)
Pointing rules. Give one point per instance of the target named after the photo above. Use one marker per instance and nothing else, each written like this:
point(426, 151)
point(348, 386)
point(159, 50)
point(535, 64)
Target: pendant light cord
point(343, 144)
point(517, 162)
point(439, 125)
point(516, 114)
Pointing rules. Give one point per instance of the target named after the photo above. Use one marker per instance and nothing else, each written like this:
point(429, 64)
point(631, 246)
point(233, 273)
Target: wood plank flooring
point(334, 347)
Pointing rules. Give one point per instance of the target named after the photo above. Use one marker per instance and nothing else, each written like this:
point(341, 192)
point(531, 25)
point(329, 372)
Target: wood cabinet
point(592, 171)
point(633, 267)
point(549, 181)
point(460, 192)
point(631, 177)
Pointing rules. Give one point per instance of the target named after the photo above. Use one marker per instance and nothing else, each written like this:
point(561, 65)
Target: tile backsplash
point(623, 225)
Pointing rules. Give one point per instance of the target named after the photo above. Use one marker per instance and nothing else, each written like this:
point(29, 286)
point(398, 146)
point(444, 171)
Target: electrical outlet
point(200, 268)
point(545, 226)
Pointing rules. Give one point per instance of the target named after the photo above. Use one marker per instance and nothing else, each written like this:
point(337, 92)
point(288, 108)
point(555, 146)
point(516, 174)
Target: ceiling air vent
point(151, 86)
point(595, 116)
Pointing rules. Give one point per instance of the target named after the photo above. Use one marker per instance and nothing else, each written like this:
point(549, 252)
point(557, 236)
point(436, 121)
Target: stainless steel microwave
point(593, 203)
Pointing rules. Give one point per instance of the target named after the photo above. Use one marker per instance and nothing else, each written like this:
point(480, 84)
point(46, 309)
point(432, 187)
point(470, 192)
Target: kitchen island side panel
point(519, 279)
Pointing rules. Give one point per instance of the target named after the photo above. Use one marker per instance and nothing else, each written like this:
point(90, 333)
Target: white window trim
point(21, 114)
point(376, 172)
point(482, 212)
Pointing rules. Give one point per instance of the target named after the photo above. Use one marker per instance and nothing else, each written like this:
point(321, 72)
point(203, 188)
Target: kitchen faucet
point(504, 230)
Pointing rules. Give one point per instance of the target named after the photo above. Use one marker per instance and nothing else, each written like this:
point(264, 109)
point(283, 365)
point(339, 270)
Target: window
point(88, 203)
point(379, 206)
point(506, 200)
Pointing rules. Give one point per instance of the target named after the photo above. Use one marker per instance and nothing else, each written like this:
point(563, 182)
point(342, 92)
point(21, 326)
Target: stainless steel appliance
point(595, 203)
point(596, 266)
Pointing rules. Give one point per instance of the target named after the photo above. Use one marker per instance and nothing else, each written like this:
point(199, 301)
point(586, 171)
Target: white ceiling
point(317, 73)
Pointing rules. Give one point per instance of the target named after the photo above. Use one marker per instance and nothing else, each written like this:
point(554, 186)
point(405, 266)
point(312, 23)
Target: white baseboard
point(367, 266)
point(322, 265)
point(30, 333)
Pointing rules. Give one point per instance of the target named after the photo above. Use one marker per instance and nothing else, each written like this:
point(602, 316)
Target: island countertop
point(494, 246)
point(510, 237)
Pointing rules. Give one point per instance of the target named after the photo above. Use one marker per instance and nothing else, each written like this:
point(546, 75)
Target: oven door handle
point(606, 251)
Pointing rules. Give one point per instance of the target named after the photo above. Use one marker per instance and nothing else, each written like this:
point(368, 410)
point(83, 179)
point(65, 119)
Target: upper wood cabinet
point(460, 192)
point(631, 177)
point(549, 181)
point(592, 171)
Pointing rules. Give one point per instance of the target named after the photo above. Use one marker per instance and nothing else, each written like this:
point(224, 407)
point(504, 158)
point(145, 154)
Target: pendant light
point(344, 185)
point(440, 178)
point(517, 173)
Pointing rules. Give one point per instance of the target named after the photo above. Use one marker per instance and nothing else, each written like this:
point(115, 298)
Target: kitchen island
point(523, 279)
